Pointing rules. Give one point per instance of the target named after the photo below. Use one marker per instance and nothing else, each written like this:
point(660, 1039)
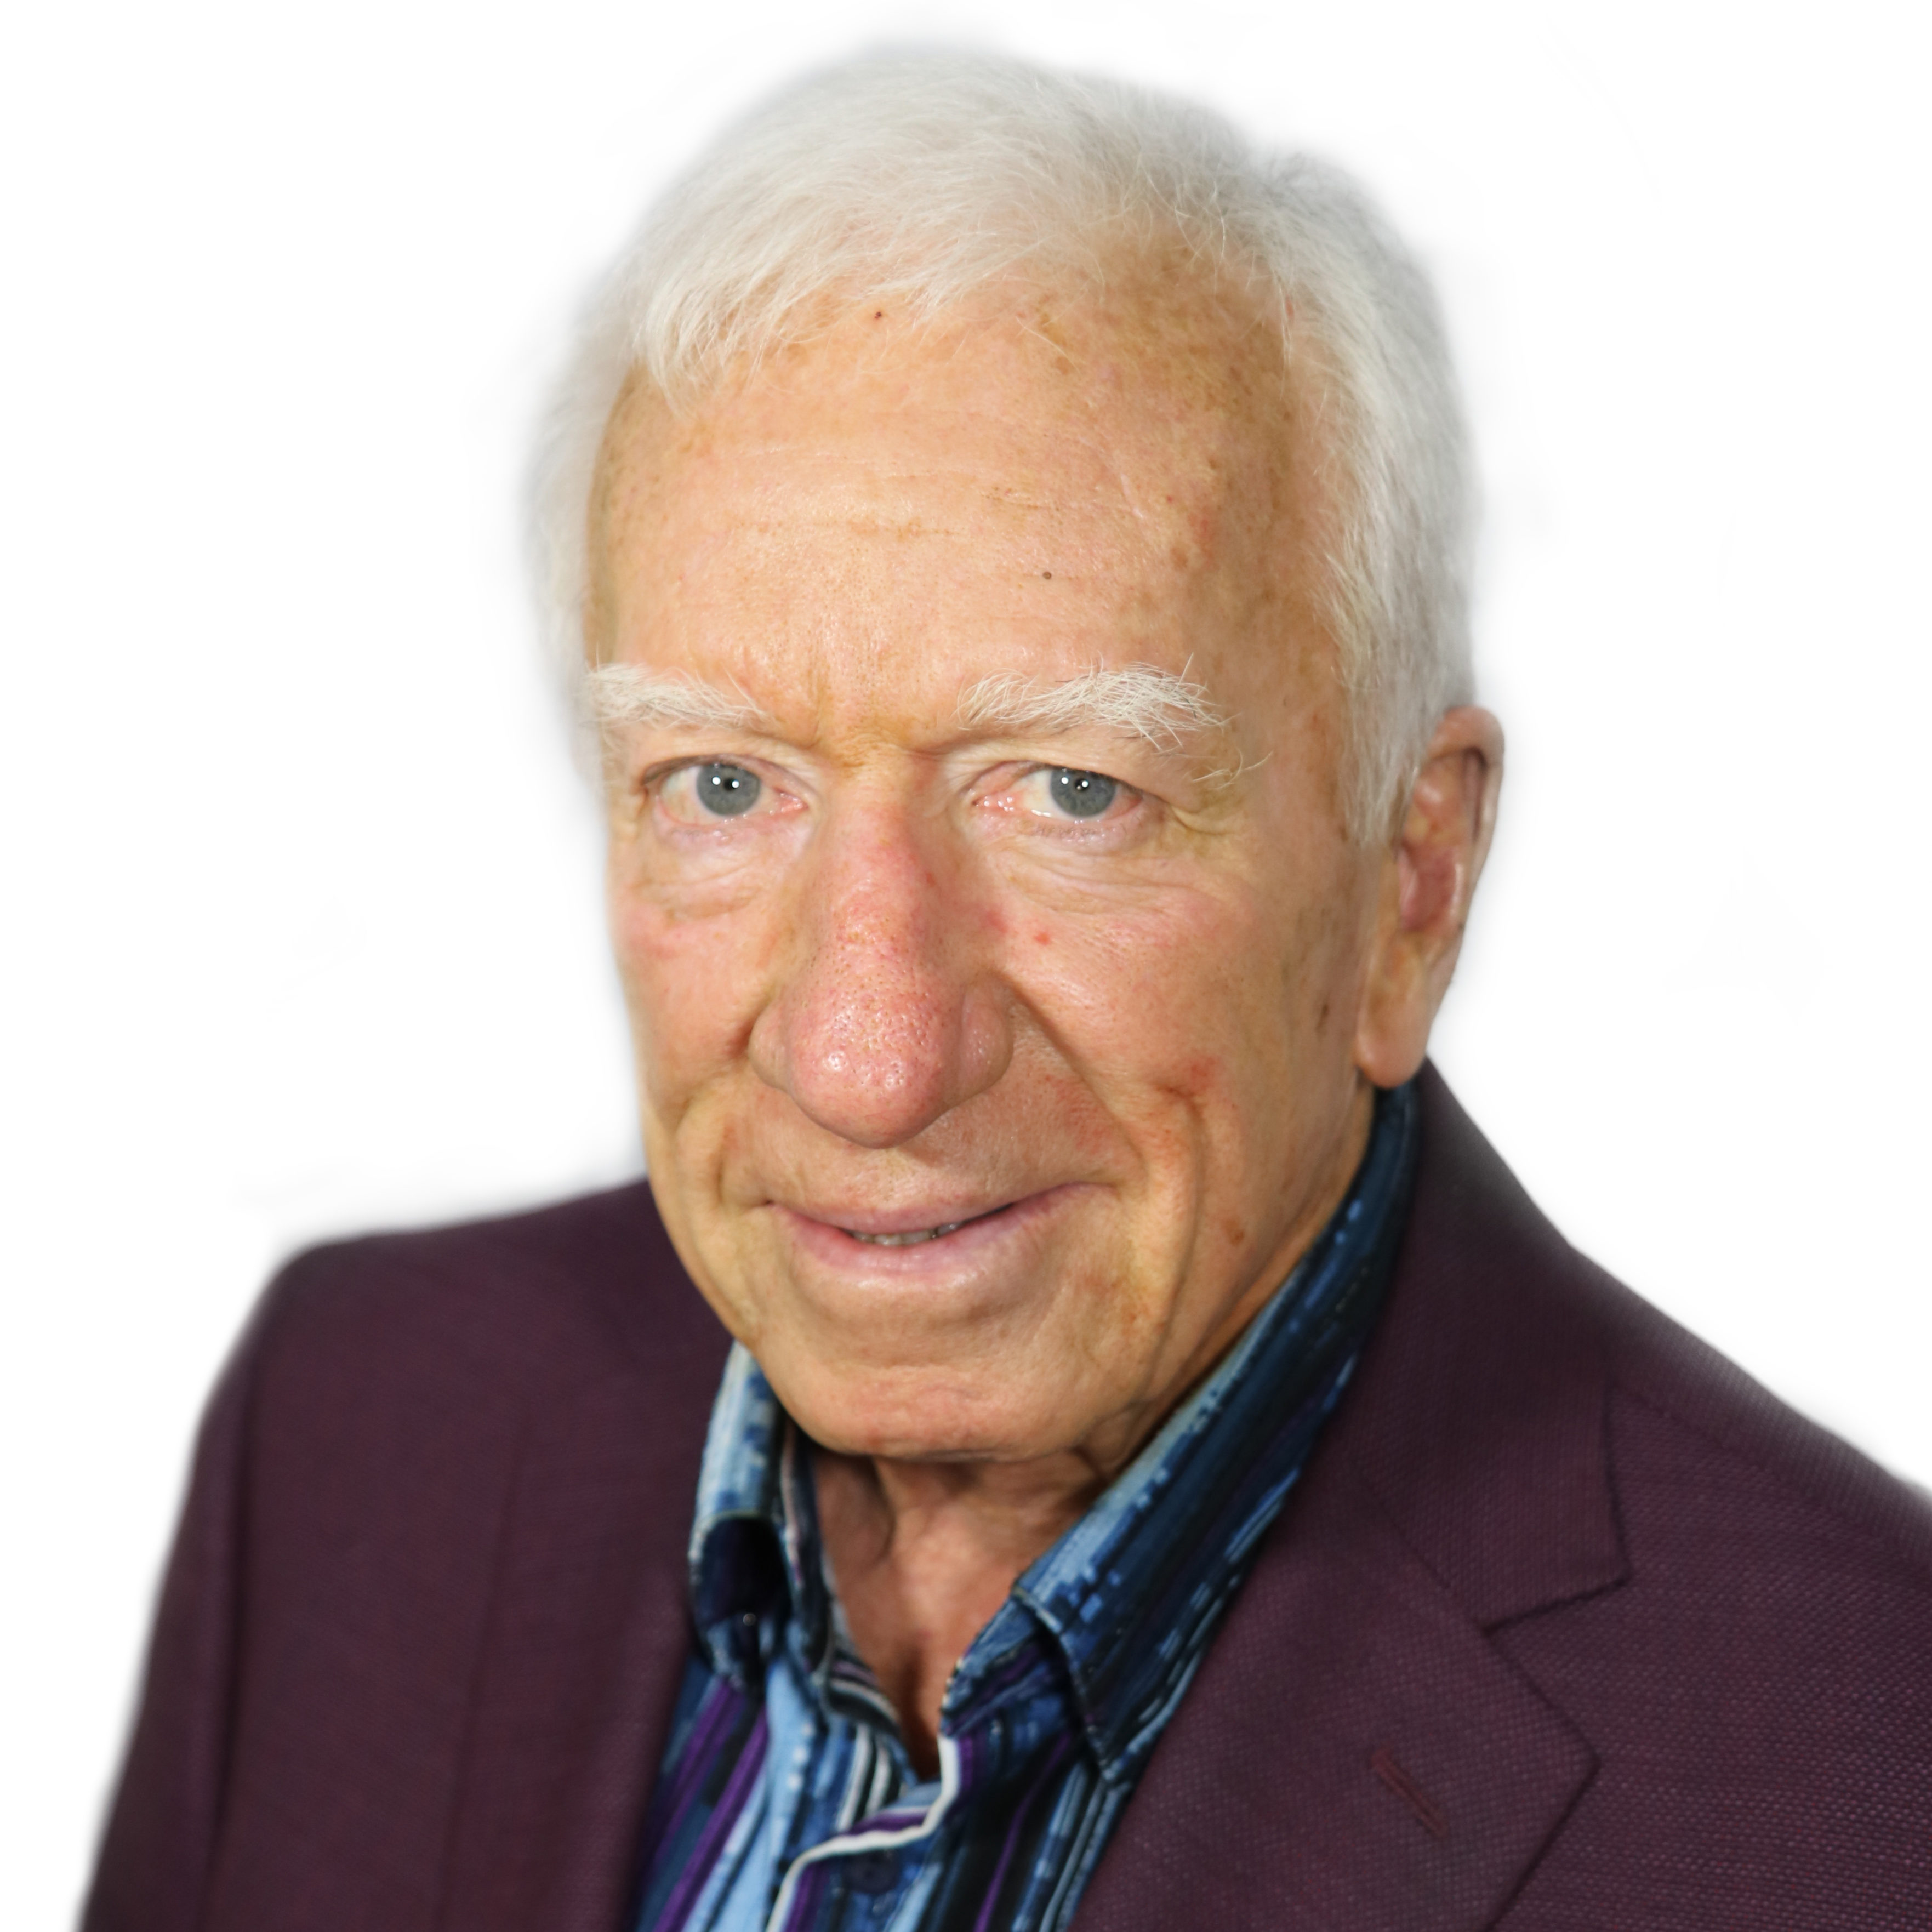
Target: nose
point(885, 1016)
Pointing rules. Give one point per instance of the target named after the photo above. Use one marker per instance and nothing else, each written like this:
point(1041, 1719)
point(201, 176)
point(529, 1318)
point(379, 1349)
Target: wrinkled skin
point(1134, 1053)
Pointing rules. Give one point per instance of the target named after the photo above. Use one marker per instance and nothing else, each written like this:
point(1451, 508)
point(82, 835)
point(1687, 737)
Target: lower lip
point(969, 1243)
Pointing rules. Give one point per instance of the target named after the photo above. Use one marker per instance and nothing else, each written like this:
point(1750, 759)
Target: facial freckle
point(1234, 1232)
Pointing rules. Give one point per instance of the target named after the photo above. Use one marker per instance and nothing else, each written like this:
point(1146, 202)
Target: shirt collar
point(754, 1536)
point(1131, 1594)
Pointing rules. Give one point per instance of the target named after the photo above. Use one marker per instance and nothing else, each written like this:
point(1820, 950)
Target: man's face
point(905, 953)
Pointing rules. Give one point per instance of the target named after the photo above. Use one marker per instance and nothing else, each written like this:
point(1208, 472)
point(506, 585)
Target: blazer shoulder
point(1505, 1352)
point(1720, 1412)
point(435, 1456)
point(574, 1288)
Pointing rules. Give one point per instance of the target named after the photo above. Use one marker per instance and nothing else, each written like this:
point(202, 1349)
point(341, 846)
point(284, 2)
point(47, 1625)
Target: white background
point(301, 928)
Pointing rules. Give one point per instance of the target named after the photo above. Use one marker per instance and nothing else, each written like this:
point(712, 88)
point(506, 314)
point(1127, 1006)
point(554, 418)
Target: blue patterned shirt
point(786, 1801)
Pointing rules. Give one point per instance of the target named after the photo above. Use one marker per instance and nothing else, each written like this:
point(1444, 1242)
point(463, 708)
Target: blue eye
point(728, 790)
point(1082, 794)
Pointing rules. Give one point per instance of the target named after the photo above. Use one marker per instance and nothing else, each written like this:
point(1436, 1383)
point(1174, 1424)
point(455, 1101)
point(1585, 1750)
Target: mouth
point(829, 1230)
point(912, 1237)
point(957, 1245)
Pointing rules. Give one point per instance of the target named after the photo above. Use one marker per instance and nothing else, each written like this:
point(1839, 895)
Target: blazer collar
point(1480, 1418)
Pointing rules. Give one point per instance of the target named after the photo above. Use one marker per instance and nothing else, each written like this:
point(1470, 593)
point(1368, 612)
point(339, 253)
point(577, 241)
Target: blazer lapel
point(589, 1626)
point(587, 1637)
point(1356, 1751)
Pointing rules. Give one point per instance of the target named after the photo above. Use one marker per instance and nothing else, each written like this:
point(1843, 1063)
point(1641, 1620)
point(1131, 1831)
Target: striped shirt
point(786, 1801)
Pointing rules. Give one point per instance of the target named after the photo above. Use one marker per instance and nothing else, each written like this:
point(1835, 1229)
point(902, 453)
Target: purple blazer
point(1568, 1624)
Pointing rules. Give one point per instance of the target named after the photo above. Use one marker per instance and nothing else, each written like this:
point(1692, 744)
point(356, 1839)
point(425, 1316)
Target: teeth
point(905, 1240)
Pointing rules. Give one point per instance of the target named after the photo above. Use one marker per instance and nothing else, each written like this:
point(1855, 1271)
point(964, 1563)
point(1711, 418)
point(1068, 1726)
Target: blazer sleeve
point(157, 1851)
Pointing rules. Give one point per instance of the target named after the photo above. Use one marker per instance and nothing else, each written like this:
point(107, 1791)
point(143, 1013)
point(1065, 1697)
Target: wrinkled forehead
point(1193, 361)
point(1146, 439)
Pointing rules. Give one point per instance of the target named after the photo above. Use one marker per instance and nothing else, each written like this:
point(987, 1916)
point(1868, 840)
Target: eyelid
point(664, 769)
point(776, 794)
point(1047, 767)
point(1127, 795)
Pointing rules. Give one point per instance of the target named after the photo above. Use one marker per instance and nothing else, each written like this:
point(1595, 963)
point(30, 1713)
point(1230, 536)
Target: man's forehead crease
point(834, 492)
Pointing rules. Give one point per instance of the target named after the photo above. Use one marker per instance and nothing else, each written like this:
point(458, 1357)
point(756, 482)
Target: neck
point(923, 1555)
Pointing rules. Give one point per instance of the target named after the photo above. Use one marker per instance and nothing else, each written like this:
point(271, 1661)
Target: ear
point(1429, 879)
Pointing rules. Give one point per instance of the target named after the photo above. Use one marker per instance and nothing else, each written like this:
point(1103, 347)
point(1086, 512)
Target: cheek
point(1212, 1022)
point(1171, 990)
point(692, 987)
point(1155, 1018)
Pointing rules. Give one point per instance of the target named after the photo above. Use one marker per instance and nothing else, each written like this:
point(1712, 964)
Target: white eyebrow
point(622, 694)
point(1163, 708)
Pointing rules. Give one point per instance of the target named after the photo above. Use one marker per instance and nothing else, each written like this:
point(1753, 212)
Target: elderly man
point(1159, 1469)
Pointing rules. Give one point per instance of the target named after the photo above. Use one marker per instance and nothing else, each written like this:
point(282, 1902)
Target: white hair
point(924, 178)
point(620, 694)
point(1140, 700)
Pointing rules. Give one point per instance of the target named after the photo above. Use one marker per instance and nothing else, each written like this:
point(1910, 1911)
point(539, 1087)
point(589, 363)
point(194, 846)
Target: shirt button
point(872, 1873)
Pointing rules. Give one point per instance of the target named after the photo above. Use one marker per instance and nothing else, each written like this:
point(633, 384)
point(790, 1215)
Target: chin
point(914, 1416)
